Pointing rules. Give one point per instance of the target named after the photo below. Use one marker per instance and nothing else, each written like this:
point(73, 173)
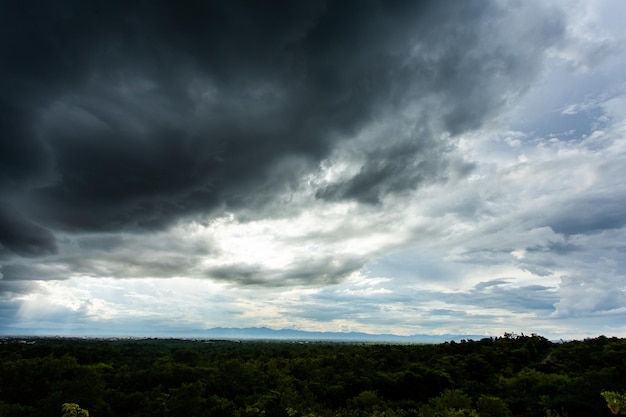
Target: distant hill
point(248, 333)
point(264, 333)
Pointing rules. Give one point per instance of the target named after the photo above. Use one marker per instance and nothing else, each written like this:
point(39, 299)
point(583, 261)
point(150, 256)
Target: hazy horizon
point(276, 335)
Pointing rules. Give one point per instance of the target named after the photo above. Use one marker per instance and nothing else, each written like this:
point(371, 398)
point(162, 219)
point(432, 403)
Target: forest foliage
point(513, 375)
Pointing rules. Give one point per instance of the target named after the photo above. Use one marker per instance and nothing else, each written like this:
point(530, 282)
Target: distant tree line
point(513, 375)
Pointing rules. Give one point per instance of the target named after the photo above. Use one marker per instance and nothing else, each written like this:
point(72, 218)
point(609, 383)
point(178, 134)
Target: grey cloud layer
point(127, 116)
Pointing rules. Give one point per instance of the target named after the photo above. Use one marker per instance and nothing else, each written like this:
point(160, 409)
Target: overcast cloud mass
point(406, 167)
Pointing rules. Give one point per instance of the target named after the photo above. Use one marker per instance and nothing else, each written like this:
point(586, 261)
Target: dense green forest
point(513, 375)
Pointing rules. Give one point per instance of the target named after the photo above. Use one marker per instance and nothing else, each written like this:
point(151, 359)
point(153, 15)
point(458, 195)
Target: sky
point(402, 167)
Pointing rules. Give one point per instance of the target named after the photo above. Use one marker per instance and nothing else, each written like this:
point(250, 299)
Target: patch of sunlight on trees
point(615, 401)
point(73, 410)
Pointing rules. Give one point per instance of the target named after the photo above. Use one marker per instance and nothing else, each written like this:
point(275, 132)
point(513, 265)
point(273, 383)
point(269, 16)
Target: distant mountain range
point(247, 333)
point(264, 333)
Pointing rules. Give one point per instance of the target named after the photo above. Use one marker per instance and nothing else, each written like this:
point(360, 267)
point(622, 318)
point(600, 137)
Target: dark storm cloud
point(11, 289)
point(133, 114)
point(559, 248)
point(24, 160)
point(326, 271)
point(27, 271)
point(10, 292)
point(22, 237)
point(590, 215)
point(498, 294)
point(461, 74)
point(392, 168)
point(128, 116)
